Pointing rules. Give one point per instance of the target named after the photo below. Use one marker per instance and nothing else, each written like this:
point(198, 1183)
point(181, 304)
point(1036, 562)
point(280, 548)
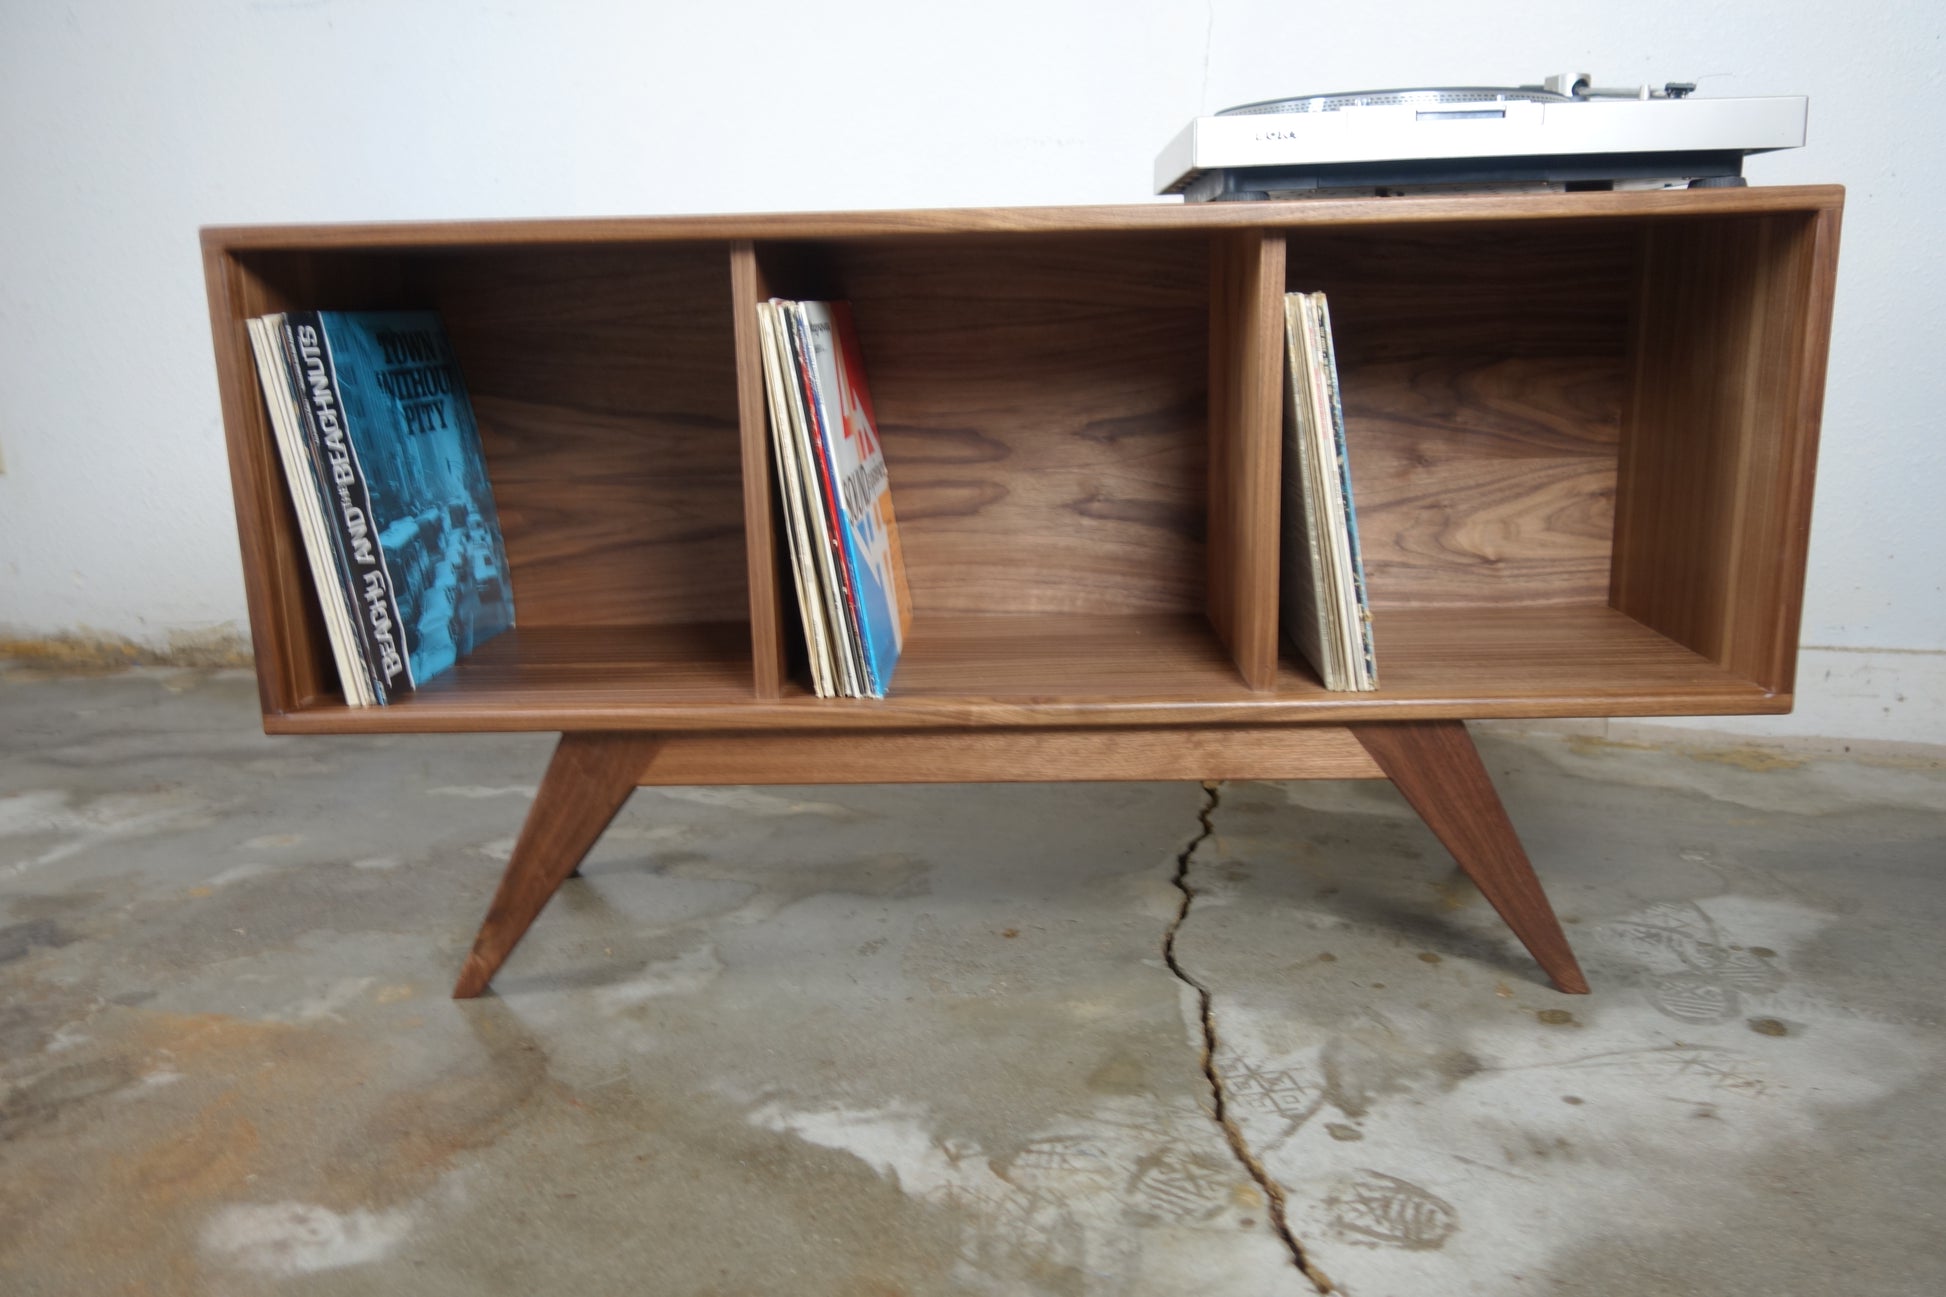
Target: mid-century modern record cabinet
point(1582, 433)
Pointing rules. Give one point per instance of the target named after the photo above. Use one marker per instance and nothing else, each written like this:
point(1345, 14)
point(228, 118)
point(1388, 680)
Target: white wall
point(125, 125)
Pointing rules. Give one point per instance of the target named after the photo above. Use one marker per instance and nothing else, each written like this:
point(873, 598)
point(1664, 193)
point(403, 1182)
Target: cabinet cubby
point(1043, 403)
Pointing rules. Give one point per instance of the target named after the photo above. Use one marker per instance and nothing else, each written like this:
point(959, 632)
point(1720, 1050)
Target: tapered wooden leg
point(589, 778)
point(1436, 766)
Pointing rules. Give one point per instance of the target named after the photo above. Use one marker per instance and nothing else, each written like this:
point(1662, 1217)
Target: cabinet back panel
point(605, 384)
point(1043, 403)
point(1483, 369)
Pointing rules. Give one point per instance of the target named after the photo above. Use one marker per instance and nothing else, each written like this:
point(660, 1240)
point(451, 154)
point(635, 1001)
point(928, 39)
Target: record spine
point(335, 460)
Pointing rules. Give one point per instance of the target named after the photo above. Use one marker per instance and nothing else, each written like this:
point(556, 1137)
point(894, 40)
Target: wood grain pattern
point(1462, 662)
point(1482, 378)
point(978, 672)
point(1805, 417)
point(1012, 756)
point(1165, 215)
point(1714, 515)
point(674, 662)
point(1246, 430)
point(587, 781)
point(331, 281)
point(1445, 523)
point(763, 534)
point(606, 389)
point(286, 624)
point(1435, 765)
point(1081, 657)
point(1545, 288)
point(1042, 406)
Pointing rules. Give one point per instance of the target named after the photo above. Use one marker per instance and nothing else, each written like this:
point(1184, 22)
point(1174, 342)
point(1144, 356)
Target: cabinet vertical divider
point(768, 650)
point(1810, 356)
point(1246, 370)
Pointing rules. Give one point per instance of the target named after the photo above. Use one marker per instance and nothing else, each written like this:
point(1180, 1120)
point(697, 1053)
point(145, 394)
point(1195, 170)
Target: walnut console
point(1582, 426)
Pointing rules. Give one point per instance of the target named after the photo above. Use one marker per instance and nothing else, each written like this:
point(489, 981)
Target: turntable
point(1564, 134)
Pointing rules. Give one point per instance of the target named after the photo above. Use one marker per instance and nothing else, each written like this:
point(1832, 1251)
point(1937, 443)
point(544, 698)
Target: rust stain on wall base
point(1755, 759)
point(90, 653)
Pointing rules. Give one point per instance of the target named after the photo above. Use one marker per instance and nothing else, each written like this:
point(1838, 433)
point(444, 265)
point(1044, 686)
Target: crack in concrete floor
point(1273, 1191)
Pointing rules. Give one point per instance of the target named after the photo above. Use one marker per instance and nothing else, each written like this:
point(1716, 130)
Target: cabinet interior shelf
point(1033, 670)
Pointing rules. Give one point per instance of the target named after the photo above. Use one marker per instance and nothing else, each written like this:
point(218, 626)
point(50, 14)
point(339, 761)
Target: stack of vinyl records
point(844, 540)
point(383, 460)
point(1327, 611)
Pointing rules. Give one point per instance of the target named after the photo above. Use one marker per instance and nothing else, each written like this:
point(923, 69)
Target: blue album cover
point(429, 546)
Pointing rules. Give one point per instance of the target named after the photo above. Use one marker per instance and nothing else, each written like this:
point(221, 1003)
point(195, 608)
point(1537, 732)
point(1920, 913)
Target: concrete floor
point(923, 1040)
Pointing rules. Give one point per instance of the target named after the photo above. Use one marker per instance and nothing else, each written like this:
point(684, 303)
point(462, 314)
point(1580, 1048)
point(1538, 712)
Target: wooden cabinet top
point(1627, 204)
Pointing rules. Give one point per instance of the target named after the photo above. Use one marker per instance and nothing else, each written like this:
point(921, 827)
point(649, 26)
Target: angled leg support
point(1433, 763)
point(589, 778)
point(1436, 766)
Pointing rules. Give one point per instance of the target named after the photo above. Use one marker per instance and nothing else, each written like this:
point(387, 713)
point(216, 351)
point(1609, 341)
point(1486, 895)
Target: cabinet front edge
point(1130, 217)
